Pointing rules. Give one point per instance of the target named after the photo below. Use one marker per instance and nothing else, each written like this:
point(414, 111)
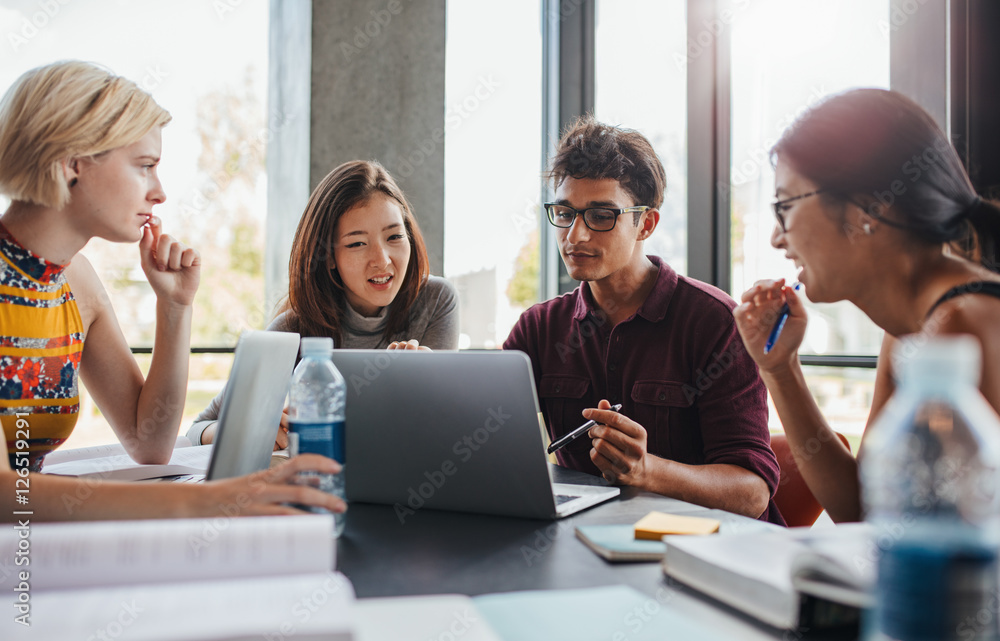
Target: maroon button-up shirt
point(678, 367)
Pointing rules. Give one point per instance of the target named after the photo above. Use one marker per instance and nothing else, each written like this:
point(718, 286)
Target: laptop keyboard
point(563, 498)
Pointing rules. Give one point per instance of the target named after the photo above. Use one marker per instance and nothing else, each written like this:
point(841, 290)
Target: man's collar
point(653, 309)
point(584, 303)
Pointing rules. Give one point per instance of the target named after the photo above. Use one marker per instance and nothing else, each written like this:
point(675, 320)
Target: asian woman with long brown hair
point(359, 273)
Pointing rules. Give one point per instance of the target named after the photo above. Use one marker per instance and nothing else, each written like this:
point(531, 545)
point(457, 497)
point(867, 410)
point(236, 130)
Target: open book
point(183, 579)
point(97, 451)
point(111, 463)
point(799, 577)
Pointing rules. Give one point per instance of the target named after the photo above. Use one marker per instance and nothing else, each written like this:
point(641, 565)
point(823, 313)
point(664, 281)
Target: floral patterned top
point(41, 341)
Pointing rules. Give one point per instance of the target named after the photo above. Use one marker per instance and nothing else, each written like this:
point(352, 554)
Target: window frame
point(568, 92)
point(568, 77)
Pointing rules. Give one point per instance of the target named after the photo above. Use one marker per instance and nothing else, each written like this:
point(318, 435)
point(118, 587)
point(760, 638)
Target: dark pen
point(577, 433)
point(780, 325)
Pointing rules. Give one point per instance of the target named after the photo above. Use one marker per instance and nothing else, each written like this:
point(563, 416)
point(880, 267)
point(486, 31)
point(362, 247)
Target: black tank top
point(990, 288)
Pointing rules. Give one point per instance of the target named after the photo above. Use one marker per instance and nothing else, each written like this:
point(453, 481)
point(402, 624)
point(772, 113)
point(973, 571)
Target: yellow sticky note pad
point(656, 524)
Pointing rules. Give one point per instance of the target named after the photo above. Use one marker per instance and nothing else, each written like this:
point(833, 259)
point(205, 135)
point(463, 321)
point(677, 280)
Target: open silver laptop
point(252, 403)
point(451, 431)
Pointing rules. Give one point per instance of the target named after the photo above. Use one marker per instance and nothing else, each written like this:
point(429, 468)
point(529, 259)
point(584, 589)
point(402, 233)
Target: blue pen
point(780, 325)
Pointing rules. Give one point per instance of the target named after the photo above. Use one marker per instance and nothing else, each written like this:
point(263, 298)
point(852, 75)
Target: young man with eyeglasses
point(693, 423)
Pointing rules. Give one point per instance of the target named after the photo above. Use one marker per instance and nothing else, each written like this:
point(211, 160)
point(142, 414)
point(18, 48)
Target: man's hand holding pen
point(618, 447)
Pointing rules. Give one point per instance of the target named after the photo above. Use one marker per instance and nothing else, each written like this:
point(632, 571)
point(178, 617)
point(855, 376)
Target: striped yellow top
point(41, 340)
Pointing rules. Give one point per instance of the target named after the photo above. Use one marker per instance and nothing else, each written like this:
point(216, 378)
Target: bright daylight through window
point(212, 169)
point(787, 55)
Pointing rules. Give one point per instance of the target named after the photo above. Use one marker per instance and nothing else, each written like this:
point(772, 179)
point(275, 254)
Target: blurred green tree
point(522, 290)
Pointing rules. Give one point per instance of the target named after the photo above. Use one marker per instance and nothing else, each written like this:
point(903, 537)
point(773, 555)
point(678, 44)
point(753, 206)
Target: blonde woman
point(79, 150)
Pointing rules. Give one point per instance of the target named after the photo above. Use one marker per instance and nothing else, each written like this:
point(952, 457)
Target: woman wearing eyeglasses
point(874, 207)
point(359, 274)
point(79, 149)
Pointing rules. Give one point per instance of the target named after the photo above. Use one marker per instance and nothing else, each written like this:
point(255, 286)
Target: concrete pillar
point(288, 182)
point(378, 93)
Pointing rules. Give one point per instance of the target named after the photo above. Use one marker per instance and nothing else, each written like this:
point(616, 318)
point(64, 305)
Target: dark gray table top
point(436, 552)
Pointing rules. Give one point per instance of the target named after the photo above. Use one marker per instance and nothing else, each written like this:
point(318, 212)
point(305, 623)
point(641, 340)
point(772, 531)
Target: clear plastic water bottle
point(929, 475)
point(316, 414)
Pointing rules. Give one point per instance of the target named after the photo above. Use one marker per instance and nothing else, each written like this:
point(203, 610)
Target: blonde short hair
point(61, 111)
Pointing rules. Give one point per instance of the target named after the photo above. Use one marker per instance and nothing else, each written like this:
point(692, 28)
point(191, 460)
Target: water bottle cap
point(316, 345)
point(943, 359)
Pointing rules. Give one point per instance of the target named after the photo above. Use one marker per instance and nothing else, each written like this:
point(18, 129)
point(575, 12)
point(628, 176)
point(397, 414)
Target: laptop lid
point(252, 402)
point(446, 430)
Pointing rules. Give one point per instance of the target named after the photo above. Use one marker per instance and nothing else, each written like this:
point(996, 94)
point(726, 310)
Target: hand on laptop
point(619, 445)
point(410, 344)
point(267, 492)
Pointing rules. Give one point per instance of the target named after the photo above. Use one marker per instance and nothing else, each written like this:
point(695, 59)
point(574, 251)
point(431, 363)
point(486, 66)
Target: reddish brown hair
point(879, 149)
point(315, 291)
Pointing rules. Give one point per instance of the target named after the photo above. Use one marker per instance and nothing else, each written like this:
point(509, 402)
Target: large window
point(641, 83)
point(206, 63)
point(493, 87)
point(786, 56)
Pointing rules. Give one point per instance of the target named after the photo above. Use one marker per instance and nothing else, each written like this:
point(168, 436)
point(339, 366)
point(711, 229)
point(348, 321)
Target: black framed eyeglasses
point(595, 218)
point(781, 206)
